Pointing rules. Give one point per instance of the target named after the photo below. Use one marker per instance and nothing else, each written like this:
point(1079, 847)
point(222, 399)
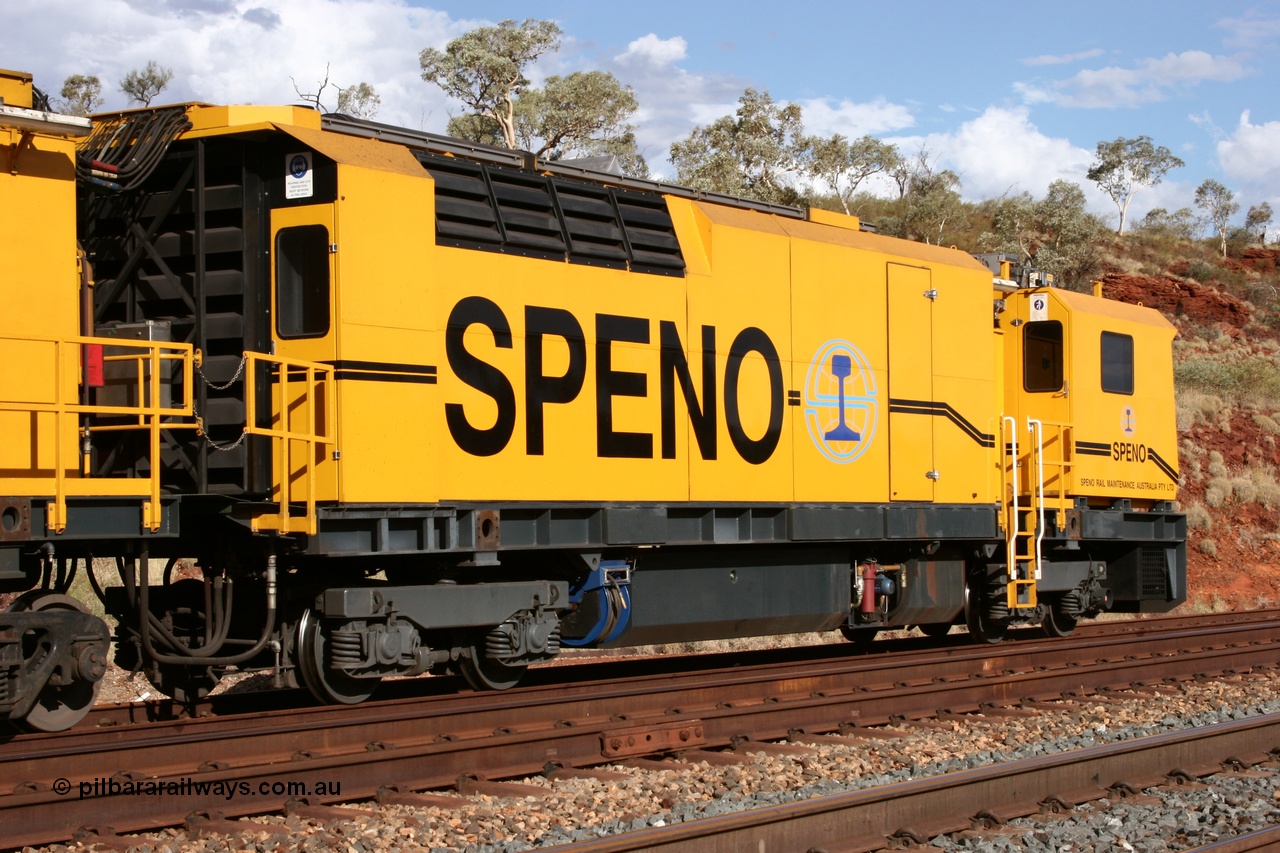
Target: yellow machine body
point(1098, 374)
point(39, 290)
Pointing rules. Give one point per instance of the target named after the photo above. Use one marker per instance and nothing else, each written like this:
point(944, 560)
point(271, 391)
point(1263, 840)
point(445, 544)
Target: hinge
point(333, 248)
point(933, 475)
point(931, 293)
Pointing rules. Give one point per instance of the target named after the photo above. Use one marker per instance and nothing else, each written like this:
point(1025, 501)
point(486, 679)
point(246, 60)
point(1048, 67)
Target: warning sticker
point(298, 182)
point(1039, 308)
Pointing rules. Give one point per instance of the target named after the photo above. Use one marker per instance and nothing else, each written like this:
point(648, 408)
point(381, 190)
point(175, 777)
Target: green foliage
point(583, 114)
point(1179, 225)
point(475, 128)
point(754, 153)
point(1201, 271)
point(1257, 220)
point(1056, 234)
point(142, 85)
point(578, 115)
point(1236, 240)
point(81, 95)
point(1219, 204)
point(485, 68)
point(1244, 380)
point(842, 165)
point(359, 101)
point(1122, 167)
point(933, 203)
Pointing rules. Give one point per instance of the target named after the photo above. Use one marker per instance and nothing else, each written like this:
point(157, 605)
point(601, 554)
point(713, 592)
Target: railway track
point(393, 750)
point(921, 809)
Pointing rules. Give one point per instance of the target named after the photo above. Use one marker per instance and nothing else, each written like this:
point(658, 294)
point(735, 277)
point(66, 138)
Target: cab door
point(912, 472)
point(1041, 383)
point(304, 286)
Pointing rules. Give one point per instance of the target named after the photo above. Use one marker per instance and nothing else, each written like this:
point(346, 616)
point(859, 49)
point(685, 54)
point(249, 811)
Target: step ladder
point(1046, 467)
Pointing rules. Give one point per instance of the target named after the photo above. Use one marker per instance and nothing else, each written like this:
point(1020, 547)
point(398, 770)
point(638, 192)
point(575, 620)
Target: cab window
point(1117, 363)
point(1042, 356)
point(302, 281)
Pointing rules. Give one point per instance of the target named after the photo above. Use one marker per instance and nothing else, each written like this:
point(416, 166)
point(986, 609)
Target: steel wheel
point(935, 630)
point(484, 673)
point(326, 685)
point(59, 707)
point(977, 616)
point(1057, 622)
point(860, 637)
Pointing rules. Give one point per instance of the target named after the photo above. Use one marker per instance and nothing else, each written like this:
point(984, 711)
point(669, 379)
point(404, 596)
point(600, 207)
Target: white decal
point(298, 181)
point(1039, 308)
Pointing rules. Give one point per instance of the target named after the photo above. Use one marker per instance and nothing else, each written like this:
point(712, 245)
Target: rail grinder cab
point(1089, 456)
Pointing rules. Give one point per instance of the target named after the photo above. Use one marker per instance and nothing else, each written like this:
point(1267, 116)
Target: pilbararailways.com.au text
point(189, 787)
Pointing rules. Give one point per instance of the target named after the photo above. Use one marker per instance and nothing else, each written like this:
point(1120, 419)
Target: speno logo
point(1128, 421)
point(840, 402)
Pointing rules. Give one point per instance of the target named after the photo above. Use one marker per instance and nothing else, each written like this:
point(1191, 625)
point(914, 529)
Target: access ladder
point(1045, 468)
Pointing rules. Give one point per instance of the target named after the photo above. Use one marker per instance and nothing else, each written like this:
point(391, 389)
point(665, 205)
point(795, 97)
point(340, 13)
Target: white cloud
point(854, 120)
point(1000, 152)
point(1063, 59)
point(1149, 81)
point(227, 52)
point(1251, 31)
point(1250, 160)
point(652, 50)
point(672, 99)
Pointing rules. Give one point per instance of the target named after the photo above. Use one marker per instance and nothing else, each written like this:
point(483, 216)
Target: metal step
point(173, 244)
point(223, 411)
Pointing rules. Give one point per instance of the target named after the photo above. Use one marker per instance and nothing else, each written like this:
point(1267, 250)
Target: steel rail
point(422, 743)
point(1250, 842)
point(920, 809)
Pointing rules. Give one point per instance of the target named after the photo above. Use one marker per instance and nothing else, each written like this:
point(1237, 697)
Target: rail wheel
point(860, 637)
point(1059, 620)
point(986, 616)
point(486, 673)
point(324, 683)
point(935, 630)
point(59, 706)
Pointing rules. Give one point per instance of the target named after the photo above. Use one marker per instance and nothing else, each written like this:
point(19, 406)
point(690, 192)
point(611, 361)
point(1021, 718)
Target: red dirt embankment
point(1234, 562)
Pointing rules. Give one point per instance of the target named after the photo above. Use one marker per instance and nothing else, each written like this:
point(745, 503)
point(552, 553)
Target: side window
point(302, 281)
point(1117, 363)
point(1042, 356)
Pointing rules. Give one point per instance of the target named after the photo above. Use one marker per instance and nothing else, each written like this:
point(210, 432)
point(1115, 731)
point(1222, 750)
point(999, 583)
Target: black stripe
point(381, 366)
point(939, 409)
point(1092, 448)
point(1162, 465)
point(370, 376)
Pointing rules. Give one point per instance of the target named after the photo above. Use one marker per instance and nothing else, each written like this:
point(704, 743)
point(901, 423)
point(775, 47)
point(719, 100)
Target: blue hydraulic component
point(610, 583)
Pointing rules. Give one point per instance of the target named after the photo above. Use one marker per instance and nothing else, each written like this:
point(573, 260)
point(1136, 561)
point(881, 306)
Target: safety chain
point(226, 447)
point(239, 370)
point(213, 444)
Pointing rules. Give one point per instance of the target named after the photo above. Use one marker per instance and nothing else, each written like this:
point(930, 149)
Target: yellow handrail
point(1021, 587)
point(289, 374)
point(151, 416)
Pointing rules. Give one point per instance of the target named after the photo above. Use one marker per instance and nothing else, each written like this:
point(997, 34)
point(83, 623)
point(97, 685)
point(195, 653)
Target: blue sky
point(1009, 95)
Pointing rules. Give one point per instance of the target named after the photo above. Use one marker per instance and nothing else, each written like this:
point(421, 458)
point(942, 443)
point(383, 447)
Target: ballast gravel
point(1165, 819)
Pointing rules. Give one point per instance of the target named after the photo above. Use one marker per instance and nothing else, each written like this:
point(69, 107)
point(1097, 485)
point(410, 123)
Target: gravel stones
point(572, 809)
